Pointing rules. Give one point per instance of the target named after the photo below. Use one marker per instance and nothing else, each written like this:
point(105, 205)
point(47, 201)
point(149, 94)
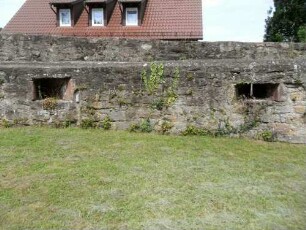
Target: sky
point(224, 20)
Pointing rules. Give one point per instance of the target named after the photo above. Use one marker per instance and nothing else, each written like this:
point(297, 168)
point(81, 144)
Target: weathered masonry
point(251, 89)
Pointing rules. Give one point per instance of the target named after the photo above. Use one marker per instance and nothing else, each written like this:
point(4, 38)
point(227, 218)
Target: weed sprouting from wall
point(144, 126)
point(156, 85)
point(154, 79)
point(49, 103)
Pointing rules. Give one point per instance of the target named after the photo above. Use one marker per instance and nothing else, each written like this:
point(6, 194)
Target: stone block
point(299, 109)
point(117, 115)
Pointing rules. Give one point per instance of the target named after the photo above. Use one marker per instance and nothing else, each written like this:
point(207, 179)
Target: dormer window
point(67, 12)
point(131, 14)
point(64, 17)
point(97, 17)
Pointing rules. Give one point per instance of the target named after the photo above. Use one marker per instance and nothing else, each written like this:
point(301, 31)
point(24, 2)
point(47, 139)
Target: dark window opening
point(257, 91)
point(50, 87)
point(243, 90)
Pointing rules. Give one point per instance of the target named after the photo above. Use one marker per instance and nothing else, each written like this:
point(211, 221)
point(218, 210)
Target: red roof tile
point(163, 19)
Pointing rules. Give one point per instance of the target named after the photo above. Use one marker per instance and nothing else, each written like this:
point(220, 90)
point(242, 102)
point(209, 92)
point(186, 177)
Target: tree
point(288, 22)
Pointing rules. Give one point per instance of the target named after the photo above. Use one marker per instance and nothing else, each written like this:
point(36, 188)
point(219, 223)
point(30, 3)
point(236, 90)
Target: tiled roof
point(64, 1)
point(163, 19)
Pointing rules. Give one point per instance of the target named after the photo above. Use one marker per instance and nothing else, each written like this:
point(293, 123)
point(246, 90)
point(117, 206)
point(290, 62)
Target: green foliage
point(267, 136)
point(87, 123)
point(171, 93)
point(195, 131)
point(134, 128)
point(5, 123)
point(287, 24)
point(154, 79)
point(144, 127)
point(302, 34)
point(67, 123)
point(189, 76)
point(49, 103)
point(106, 123)
point(166, 126)
point(158, 104)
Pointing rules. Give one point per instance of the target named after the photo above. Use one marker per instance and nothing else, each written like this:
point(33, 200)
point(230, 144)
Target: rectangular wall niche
point(257, 91)
point(51, 87)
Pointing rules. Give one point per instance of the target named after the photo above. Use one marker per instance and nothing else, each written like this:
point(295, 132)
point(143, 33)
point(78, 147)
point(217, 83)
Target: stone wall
point(102, 78)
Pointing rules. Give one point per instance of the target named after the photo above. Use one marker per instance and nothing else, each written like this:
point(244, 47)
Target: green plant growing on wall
point(5, 123)
point(49, 103)
point(106, 123)
point(158, 104)
point(172, 89)
point(87, 123)
point(268, 136)
point(192, 130)
point(166, 126)
point(153, 80)
point(189, 76)
point(145, 126)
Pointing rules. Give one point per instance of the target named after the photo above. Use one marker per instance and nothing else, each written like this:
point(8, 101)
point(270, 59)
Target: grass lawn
point(93, 179)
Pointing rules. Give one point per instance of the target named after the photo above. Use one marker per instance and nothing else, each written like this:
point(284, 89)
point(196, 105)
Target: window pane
point(65, 17)
point(131, 17)
point(97, 16)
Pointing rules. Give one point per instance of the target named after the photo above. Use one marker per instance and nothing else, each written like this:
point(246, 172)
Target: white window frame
point(60, 17)
point(126, 16)
point(92, 16)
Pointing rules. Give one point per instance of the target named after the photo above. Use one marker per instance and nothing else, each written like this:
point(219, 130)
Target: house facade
point(138, 19)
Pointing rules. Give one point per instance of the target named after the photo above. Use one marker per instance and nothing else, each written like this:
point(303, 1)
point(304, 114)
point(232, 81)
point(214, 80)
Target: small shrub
point(302, 34)
point(134, 128)
point(87, 123)
point(67, 123)
point(5, 123)
point(106, 123)
point(158, 104)
point(49, 103)
point(194, 131)
point(122, 102)
point(121, 87)
point(166, 126)
point(267, 136)
point(189, 76)
point(144, 127)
